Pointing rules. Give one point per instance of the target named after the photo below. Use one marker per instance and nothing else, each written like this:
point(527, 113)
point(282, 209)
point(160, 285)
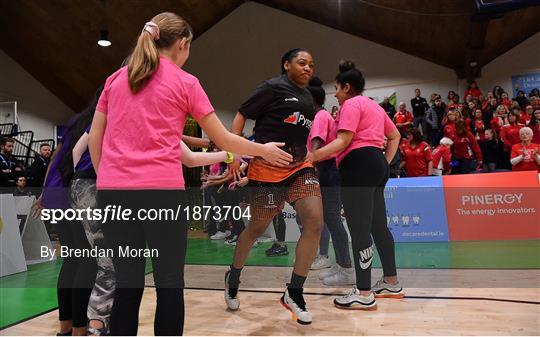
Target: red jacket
point(416, 159)
point(524, 118)
point(449, 130)
point(536, 133)
point(465, 146)
point(442, 156)
point(403, 117)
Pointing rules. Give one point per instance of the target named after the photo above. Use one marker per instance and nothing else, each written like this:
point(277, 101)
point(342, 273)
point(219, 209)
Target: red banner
point(493, 206)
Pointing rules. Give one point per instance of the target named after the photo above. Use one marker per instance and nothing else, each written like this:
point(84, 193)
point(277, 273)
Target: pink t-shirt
point(141, 146)
point(324, 127)
point(367, 120)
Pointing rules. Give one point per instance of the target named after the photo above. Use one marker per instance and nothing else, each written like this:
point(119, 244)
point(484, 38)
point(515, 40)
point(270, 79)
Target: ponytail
point(143, 62)
point(160, 33)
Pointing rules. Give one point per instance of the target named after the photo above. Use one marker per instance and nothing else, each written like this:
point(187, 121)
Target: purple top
point(85, 163)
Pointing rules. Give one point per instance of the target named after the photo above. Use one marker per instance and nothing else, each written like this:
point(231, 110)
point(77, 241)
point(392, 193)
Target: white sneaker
point(220, 235)
point(320, 262)
point(299, 312)
point(353, 300)
point(233, 303)
point(387, 290)
point(329, 272)
point(343, 277)
point(263, 239)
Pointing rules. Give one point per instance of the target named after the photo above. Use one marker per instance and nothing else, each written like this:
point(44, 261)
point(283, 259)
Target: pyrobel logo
point(491, 199)
point(298, 119)
point(292, 99)
point(366, 256)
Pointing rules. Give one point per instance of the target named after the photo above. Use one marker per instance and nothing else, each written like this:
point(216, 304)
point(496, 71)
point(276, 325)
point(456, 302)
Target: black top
point(283, 112)
point(419, 106)
point(489, 150)
point(37, 171)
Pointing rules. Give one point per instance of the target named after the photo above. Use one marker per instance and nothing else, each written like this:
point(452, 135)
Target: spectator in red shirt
point(454, 104)
point(534, 124)
point(465, 145)
point(442, 157)
point(478, 125)
point(525, 155)
point(473, 90)
point(449, 129)
point(526, 116)
point(403, 119)
point(416, 155)
point(507, 102)
point(510, 131)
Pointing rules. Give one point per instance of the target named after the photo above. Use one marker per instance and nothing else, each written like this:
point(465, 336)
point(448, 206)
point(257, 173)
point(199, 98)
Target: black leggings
point(169, 237)
point(364, 173)
point(77, 275)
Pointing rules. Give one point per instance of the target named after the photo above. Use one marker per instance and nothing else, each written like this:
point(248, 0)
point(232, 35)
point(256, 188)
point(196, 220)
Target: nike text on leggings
point(364, 173)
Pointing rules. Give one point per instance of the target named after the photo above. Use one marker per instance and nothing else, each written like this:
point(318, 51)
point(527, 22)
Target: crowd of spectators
point(481, 133)
point(13, 172)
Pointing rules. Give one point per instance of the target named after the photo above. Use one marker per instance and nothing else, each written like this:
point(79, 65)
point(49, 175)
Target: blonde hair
point(446, 141)
point(144, 60)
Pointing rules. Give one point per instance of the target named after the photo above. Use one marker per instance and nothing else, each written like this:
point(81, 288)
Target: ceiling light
point(104, 38)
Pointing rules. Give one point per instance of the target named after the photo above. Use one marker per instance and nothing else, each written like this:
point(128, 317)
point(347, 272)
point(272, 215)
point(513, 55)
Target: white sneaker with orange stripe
point(381, 289)
point(298, 309)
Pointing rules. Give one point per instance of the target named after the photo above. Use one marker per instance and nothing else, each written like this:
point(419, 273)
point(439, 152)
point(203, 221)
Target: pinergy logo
point(366, 256)
point(298, 119)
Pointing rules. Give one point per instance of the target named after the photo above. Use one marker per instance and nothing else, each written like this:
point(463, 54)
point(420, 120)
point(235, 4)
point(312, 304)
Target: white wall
point(523, 58)
point(38, 109)
point(246, 47)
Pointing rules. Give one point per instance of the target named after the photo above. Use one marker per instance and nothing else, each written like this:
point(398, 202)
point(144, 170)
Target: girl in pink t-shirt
point(136, 151)
point(361, 127)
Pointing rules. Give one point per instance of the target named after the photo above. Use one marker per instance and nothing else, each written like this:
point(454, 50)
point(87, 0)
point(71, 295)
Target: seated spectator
point(526, 116)
point(21, 189)
point(416, 155)
point(435, 116)
point(389, 108)
point(38, 169)
point(472, 90)
point(464, 146)
point(478, 126)
point(403, 119)
point(525, 155)
point(442, 157)
point(490, 150)
point(449, 129)
point(10, 167)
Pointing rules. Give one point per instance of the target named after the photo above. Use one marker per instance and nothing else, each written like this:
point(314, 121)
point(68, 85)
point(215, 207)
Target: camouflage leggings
point(83, 194)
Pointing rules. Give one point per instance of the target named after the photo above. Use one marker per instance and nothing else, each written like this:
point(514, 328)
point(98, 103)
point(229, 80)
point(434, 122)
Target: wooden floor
point(425, 311)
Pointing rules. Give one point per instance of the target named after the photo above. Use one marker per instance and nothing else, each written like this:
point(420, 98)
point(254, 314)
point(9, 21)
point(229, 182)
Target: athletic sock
point(234, 281)
point(297, 281)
